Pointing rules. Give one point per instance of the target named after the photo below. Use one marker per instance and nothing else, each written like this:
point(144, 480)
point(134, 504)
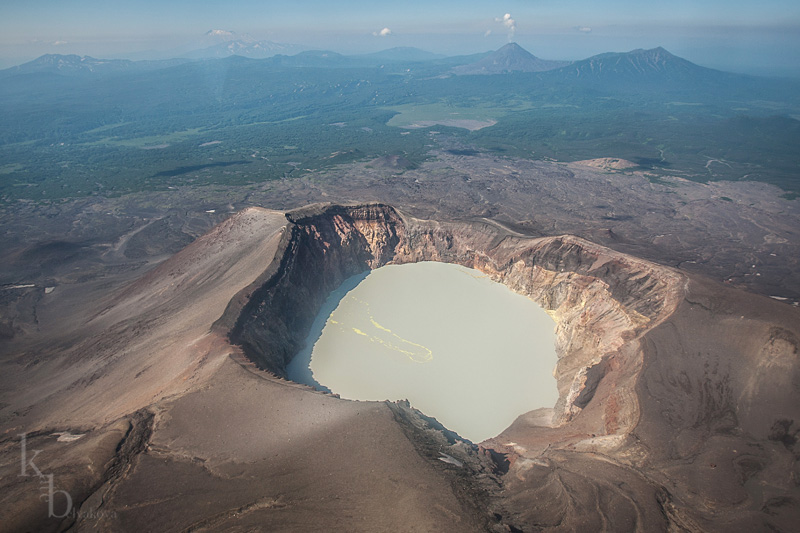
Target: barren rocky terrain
point(740, 233)
point(151, 380)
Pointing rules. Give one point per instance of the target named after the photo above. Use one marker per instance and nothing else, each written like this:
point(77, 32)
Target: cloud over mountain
point(510, 24)
point(220, 33)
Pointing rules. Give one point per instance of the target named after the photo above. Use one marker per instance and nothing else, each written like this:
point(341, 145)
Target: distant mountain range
point(510, 58)
point(225, 43)
point(72, 65)
point(655, 66)
point(404, 53)
point(646, 106)
point(244, 48)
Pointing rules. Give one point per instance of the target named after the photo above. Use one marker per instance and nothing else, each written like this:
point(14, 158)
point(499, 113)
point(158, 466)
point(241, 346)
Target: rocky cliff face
point(322, 247)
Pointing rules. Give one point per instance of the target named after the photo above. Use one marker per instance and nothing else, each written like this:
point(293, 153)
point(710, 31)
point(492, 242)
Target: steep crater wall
point(602, 301)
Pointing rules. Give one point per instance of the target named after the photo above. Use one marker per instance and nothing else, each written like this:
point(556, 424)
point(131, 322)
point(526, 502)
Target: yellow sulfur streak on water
point(416, 352)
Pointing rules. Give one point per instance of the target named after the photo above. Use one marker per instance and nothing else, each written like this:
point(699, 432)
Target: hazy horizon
point(735, 36)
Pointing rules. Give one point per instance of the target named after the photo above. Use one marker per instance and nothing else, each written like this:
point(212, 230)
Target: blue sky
point(733, 34)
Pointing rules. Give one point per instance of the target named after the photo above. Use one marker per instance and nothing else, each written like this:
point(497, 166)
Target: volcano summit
point(673, 406)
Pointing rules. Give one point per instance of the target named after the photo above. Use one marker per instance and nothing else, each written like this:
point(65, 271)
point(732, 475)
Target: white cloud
point(488, 33)
point(510, 24)
point(385, 32)
point(217, 36)
point(59, 43)
point(584, 29)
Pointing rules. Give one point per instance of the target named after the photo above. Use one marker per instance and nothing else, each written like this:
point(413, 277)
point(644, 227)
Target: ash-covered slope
point(677, 411)
point(120, 353)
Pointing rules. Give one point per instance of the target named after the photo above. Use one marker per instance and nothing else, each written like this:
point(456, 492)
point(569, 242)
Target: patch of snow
point(66, 436)
point(449, 459)
point(26, 286)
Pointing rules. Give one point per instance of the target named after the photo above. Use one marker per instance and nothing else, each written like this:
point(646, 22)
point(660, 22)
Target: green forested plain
point(237, 121)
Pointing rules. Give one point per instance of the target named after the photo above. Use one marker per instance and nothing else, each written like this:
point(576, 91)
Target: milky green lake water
point(461, 348)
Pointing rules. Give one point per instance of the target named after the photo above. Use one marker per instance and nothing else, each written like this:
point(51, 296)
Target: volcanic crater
point(677, 409)
point(601, 301)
